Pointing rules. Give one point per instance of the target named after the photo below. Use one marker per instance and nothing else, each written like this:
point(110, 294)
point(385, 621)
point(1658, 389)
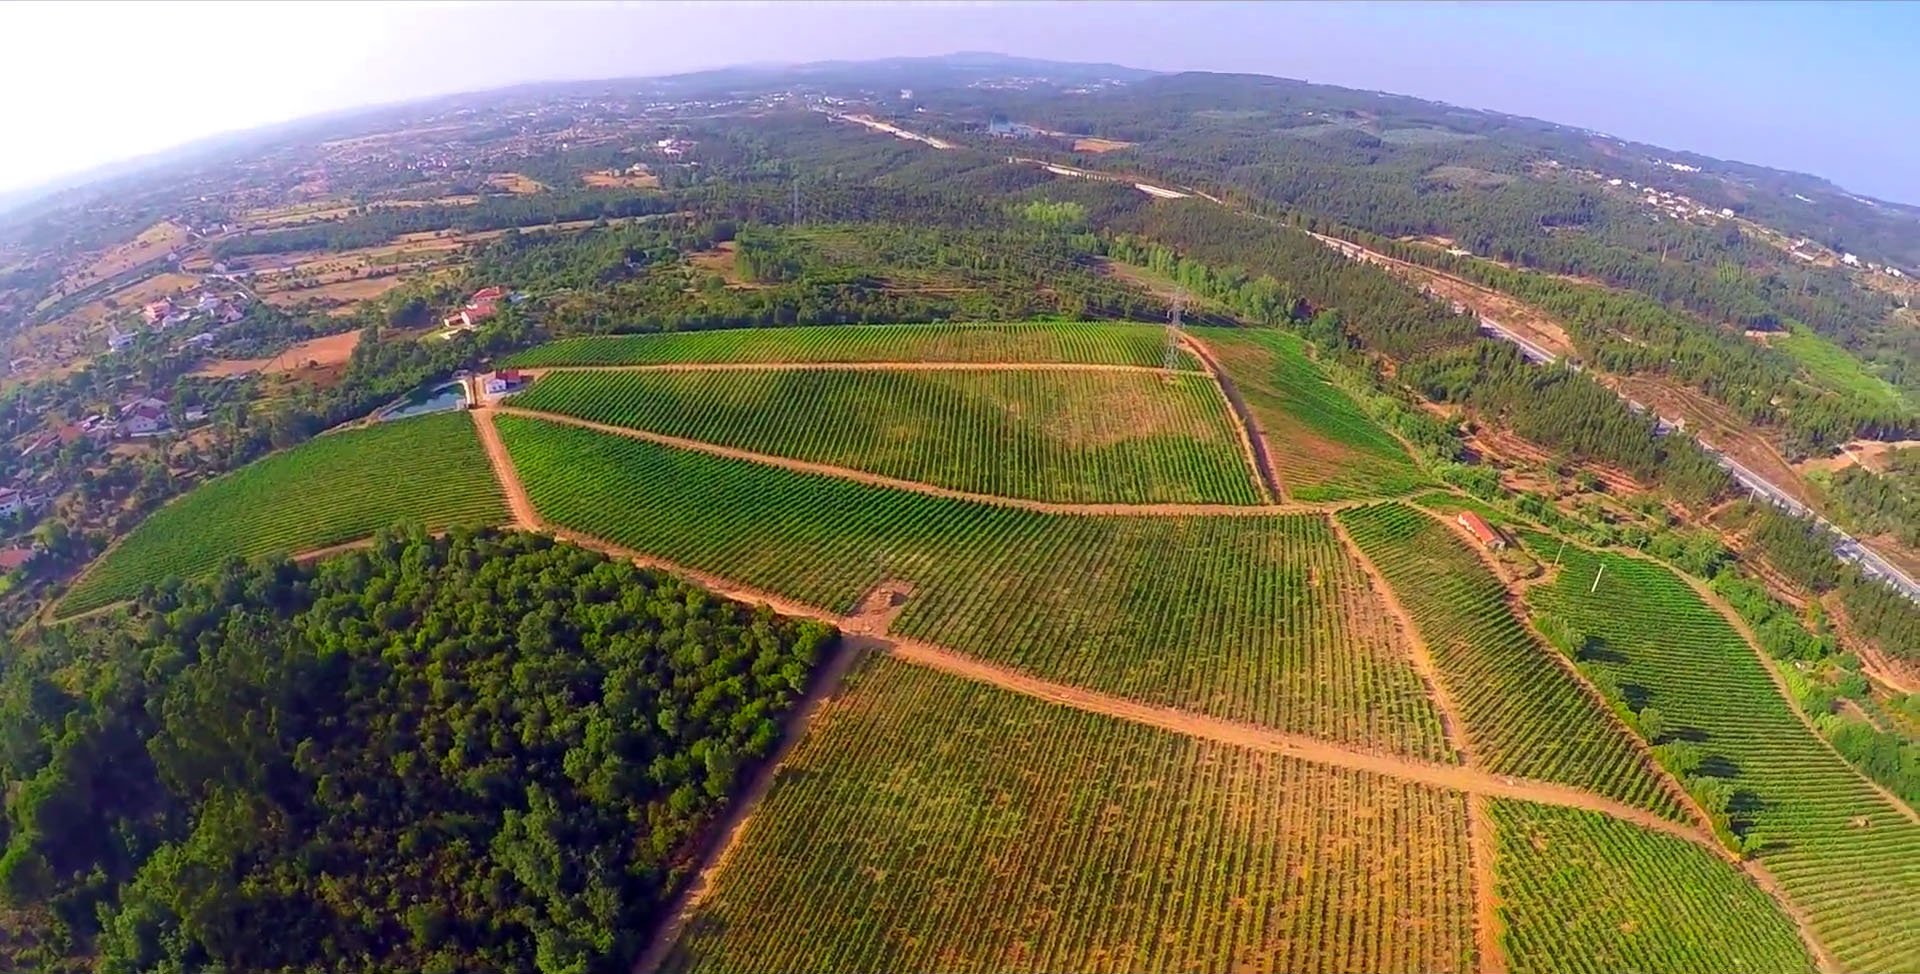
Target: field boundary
point(539, 370)
point(1517, 605)
point(724, 836)
point(1468, 781)
point(1251, 440)
point(1169, 509)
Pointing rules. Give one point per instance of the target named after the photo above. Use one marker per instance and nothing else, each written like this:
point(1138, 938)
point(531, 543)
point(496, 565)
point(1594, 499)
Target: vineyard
point(1259, 618)
point(1323, 446)
point(1844, 853)
point(935, 824)
point(1580, 892)
point(1073, 437)
point(1084, 342)
point(336, 488)
point(1523, 713)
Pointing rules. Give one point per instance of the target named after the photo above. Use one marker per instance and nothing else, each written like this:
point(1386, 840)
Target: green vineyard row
point(1070, 437)
point(332, 489)
point(934, 824)
point(1845, 853)
point(1265, 619)
point(1523, 713)
point(1086, 342)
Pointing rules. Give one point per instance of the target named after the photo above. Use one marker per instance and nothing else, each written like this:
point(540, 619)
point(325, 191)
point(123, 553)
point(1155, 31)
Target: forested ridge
point(476, 752)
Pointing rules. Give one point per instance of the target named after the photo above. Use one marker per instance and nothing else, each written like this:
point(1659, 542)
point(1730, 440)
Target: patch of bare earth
point(1100, 145)
point(315, 353)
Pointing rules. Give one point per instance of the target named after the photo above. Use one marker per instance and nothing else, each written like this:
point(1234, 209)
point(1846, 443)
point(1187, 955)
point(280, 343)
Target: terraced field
point(1523, 713)
point(1581, 892)
point(1258, 618)
point(934, 824)
point(1071, 437)
point(1085, 342)
point(1324, 447)
point(335, 488)
point(1847, 855)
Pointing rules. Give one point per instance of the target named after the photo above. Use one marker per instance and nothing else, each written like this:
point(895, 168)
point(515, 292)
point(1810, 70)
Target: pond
point(440, 398)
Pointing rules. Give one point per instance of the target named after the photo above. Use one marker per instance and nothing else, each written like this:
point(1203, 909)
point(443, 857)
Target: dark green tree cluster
point(478, 752)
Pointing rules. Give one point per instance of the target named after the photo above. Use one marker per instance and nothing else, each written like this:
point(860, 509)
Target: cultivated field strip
point(1261, 619)
point(1067, 437)
point(1582, 893)
point(933, 824)
point(1523, 714)
point(1085, 342)
point(1323, 446)
point(1848, 856)
point(332, 489)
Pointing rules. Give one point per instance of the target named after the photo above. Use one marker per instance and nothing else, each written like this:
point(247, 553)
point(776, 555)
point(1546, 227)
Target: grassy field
point(1087, 342)
point(1263, 618)
point(1844, 853)
point(934, 824)
point(335, 488)
point(1829, 365)
point(1323, 446)
point(1580, 892)
point(1050, 436)
point(1523, 713)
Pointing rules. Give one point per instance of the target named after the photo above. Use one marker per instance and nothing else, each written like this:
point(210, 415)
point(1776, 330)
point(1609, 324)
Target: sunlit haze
point(1824, 89)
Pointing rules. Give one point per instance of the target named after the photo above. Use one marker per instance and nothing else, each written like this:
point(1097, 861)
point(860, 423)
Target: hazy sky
point(1829, 89)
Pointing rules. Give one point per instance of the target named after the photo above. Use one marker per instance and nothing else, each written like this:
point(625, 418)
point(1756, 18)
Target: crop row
point(1323, 445)
point(1523, 713)
point(1581, 892)
point(1088, 342)
point(335, 488)
point(935, 824)
point(1265, 619)
point(1051, 436)
point(1845, 853)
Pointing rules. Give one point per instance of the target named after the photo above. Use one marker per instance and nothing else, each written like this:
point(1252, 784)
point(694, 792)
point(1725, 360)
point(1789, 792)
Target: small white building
point(117, 339)
point(12, 502)
point(1850, 260)
point(1725, 212)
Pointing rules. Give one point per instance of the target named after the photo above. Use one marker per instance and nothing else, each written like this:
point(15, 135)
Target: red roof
point(480, 309)
point(489, 294)
point(12, 558)
point(1479, 526)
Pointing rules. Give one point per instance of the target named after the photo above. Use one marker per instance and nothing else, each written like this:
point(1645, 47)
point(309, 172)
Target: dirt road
point(518, 503)
point(879, 480)
point(1251, 439)
point(538, 371)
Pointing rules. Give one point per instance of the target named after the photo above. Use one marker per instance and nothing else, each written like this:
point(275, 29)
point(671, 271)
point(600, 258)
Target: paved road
point(1846, 547)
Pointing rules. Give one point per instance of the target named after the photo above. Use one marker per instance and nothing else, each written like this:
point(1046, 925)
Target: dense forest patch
point(476, 752)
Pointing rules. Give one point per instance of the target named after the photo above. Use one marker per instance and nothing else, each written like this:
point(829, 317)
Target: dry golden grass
point(516, 183)
point(1100, 145)
point(611, 179)
point(152, 243)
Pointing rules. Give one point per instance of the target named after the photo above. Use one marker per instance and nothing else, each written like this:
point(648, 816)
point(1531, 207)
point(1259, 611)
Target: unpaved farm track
point(518, 503)
point(866, 633)
point(1251, 438)
point(540, 370)
point(880, 480)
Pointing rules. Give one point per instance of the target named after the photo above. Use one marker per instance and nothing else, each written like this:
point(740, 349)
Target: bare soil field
point(1100, 145)
point(338, 293)
point(516, 183)
point(325, 352)
point(1871, 454)
point(611, 179)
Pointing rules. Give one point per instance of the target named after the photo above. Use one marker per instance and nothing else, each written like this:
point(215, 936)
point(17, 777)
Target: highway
point(1846, 547)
